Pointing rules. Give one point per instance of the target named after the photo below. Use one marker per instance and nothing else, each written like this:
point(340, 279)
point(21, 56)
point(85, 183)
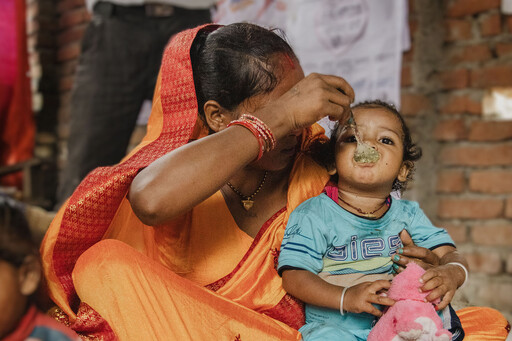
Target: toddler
point(338, 247)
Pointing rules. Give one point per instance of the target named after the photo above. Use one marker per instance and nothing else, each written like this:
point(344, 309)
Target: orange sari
point(199, 277)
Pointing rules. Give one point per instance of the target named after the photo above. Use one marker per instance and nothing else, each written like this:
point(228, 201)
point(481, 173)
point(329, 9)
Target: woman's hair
point(15, 238)
point(324, 154)
point(234, 63)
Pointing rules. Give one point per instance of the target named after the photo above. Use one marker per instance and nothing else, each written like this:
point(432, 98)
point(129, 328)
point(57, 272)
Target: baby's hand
point(443, 280)
point(359, 298)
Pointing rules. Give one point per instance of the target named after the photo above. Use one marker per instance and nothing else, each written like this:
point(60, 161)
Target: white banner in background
point(359, 40)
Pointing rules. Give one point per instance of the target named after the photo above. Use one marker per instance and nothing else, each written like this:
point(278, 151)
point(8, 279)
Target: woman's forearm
point(181, 179)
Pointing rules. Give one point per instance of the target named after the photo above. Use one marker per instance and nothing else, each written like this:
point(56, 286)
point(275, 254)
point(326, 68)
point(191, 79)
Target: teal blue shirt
point(346, 249)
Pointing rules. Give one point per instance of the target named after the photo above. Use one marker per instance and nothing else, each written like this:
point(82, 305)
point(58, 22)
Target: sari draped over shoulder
point(199, 276)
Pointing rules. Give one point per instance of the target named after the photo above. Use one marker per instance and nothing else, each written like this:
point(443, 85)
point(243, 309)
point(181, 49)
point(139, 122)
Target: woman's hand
point(361, 298)
point(441, 277)
point(443, 283)
point(412, 253)
point(312, 99)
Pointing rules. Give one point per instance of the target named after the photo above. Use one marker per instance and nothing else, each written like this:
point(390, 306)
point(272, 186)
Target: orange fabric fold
point(481, 323)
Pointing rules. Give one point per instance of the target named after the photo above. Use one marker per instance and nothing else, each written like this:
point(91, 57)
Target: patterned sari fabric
point(114, 277)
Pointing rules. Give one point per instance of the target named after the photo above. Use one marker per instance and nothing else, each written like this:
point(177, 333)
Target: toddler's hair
point(324, 154)
point(15, 238)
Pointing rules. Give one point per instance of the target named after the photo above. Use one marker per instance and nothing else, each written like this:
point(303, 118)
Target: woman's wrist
point(466, 273)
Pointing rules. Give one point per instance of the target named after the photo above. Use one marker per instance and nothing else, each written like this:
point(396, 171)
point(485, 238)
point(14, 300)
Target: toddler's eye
point(386, 140)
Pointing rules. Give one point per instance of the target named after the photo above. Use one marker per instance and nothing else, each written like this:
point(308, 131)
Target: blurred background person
point(116, 75)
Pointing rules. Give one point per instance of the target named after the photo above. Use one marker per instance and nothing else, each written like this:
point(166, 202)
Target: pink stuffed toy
point(410, 318)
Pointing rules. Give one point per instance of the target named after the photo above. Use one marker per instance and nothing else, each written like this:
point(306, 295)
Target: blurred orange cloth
point(481, 323)
point(197, 278)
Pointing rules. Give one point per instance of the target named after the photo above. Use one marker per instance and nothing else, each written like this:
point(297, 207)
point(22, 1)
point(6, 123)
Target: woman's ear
point(29, 275)
point(216, 116)
point(404, 171)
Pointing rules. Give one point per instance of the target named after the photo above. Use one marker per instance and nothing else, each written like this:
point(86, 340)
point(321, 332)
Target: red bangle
point(263, 129)
point(254, 131)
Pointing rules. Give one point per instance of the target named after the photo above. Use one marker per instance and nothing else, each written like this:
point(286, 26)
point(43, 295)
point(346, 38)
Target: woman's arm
point(313, 290)
point(188, 175)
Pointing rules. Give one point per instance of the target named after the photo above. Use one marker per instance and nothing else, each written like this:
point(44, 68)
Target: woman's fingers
point(341, 85)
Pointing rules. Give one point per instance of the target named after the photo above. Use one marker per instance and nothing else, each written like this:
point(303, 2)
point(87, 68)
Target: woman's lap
point(143, 300)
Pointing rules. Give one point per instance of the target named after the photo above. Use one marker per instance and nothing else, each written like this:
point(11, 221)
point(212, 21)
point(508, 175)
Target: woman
point(206, 269)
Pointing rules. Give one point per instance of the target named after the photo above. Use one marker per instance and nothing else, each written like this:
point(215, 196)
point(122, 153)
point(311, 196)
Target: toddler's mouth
point(365, 153)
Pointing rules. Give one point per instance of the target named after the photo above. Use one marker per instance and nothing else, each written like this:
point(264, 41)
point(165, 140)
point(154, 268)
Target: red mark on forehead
point(290, 60)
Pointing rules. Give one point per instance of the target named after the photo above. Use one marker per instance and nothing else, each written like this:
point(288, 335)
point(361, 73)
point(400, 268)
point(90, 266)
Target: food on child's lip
point(365, 153)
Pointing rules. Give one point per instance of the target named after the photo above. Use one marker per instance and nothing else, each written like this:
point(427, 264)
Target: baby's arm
point(446, 278)
point(313, 290)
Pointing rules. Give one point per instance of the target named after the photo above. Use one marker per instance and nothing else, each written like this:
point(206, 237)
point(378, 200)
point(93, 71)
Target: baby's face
point(382, 130)
point(12, 302)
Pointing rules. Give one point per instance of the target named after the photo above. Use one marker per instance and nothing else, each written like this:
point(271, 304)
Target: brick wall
point(460, 48)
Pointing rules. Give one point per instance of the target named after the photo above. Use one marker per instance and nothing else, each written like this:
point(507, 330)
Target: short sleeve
point(304, 243)
point(425, 234)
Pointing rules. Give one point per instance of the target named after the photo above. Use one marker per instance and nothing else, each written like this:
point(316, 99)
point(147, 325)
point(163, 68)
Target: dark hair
point(234, 63)
point(324, 154)
point(15, 238)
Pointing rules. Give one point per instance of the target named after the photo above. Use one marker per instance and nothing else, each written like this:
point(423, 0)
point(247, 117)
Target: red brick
point(453, 208)
point(408, 55)
point(414, 104)
point(69, 52)
point(451, 181)
point(413, 27)
point(68, 67)
point(487, 155)
point(509, 263)
point(461, 8)
point(412, 8)
point(490, 131)
point(490, 25)
point(74, 17)
point(456, 30)
point(492, 234)
point(500, 75)
point(471, 53)
point(459, 233)
point(406, 76)
point(491, 181)
point(508, 208)
point(66, 5)
point(454, 79)
point(504, 49)
point(66, 83)
point(488, 263)
point(71, 35)
point(461, 104)
point(450, 130)
point(509, 23)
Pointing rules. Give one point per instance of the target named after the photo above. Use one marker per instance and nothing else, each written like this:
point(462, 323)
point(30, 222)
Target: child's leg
point(143, 300)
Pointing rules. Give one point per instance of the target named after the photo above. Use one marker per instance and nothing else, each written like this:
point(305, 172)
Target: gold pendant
point(247, 204)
